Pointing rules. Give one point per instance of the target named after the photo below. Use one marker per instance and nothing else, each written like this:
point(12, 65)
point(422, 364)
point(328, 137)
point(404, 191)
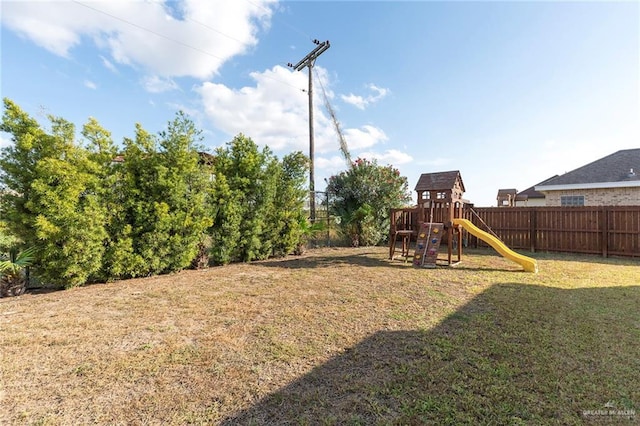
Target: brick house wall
point(599, 196)
point(533, 202)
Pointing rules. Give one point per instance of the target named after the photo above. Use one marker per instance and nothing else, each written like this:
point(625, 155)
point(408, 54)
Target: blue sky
point(509, 93)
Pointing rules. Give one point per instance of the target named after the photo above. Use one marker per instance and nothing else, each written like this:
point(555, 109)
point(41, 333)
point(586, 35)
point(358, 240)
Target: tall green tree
point(227, 213)
point(94, 218)
point(258, 202)
point(362, 197)
point(161, 214)
point(288, 213)
point(18, 168)
point(185, 184)
point(54, 204)
point(251, 190)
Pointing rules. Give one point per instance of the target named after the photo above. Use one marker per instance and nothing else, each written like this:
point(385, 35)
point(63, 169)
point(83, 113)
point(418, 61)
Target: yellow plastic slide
point(529, 264)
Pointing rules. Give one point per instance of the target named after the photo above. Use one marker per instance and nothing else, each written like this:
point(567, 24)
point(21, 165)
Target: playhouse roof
point(439, 181)
point(507, 191)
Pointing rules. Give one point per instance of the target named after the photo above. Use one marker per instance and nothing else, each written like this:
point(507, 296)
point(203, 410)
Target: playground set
point(438, 219)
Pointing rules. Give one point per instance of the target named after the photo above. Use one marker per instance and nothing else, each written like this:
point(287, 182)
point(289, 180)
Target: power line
point(133, 24)
point(215, 30)
point(296, 29)
point(197, 49)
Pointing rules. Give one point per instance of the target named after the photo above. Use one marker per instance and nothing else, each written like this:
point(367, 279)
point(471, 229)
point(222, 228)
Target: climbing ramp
point(428, 244)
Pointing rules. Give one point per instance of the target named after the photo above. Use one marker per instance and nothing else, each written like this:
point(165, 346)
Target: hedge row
point(97, 212)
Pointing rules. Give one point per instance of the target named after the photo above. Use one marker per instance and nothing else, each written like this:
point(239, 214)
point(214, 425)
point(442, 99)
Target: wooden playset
point(440, 201)
point(437, 219)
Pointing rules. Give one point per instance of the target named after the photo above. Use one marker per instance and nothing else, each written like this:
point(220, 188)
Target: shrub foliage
point(258, 202)
point(52, 201)
point(162, 207)
point(362, 197)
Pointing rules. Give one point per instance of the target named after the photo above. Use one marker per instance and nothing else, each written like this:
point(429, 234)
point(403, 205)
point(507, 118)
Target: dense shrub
point(258, 202)
point(362, 197)
point(160, 208)
point(54, 200)
point(288, 212)
point(158, 203)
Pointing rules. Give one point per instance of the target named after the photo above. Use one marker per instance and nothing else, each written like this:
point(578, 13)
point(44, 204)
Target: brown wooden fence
point(607, 231)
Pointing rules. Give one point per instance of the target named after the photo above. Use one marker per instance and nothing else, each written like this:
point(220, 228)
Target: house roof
point(510, 191)
point(531, 191)
point(439, 181)
point(206, 158)
point(621, 166)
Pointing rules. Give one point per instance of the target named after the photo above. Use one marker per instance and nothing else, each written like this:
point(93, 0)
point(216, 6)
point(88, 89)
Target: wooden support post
point(604, 230)
point(459, 244)
point(449, 242)
point(533, 214)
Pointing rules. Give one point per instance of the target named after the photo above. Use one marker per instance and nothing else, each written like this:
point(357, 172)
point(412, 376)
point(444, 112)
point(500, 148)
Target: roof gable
point(439, 181)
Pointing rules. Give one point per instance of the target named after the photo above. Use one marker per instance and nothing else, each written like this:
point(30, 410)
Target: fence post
point(532, 228)
point(326, 197)
point(604, 230)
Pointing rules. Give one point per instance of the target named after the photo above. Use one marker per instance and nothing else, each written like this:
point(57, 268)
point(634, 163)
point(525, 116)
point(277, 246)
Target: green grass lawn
point(338, 336)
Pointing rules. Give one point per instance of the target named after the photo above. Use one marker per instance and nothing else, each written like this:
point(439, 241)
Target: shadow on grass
point(586, 258)
point(562, 256)
point(367, 260)
point(363, 258)
point(515, 354)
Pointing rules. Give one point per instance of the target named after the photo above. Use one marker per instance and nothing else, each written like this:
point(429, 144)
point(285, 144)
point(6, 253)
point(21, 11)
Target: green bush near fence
point(95, 213)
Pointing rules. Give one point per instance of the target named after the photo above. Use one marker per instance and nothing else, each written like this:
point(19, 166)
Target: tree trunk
point(12, 285)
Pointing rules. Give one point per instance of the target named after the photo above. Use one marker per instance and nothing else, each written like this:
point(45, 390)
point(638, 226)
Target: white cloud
point(145, 34)
point(275, 112)
point(156, 84)
point(357, 101)
point(90, 84)
point(364, 137)
point(325, 167)
point(361, 102)
point(271, 113)
point(329, 166)
point(391, 156)
point(108, 64)
point(381, 92)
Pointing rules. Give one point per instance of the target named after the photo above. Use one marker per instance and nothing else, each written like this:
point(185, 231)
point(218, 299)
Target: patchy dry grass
point(339, 336)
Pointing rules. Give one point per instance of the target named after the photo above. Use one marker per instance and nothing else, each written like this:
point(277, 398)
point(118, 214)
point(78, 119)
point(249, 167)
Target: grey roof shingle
point(612, 168)
point(531, 191)
point(507, 191)
point(439, 181)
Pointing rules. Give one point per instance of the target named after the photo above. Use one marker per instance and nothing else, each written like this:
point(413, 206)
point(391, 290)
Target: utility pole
point(308, 62)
